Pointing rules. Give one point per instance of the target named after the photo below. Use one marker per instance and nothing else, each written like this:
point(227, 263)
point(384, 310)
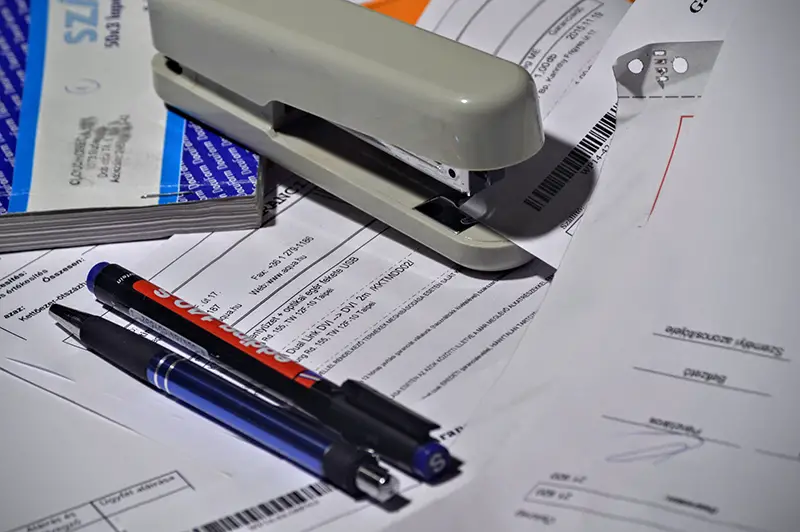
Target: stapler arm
point(328, 90)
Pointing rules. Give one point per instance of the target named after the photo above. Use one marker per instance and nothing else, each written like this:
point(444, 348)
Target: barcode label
point(574, 162)
point(267, 510)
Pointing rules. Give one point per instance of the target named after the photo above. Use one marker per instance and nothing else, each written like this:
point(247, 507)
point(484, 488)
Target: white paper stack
point(91, 154)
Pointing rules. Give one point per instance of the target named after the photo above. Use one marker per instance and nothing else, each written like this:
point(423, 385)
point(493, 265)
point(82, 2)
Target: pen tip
point(68, 318)
point(376, 482)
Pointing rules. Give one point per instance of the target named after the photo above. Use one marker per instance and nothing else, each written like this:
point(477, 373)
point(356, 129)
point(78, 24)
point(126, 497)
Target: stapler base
point(347, 167)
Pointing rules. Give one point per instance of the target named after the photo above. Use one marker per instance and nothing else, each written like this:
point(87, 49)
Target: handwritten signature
point(659, 447)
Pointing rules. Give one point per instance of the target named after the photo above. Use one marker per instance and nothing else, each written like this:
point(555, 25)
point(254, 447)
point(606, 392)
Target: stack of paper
point(90, 153)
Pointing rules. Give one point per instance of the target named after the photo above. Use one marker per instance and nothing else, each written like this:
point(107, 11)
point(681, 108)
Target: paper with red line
point(683, 118)
point(675, 409)
point(627, 188)
point(541, 202)
point(659, 88)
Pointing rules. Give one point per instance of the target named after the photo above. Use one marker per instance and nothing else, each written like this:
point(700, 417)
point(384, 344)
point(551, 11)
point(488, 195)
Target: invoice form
point(31, 281)
point(65, 468)
point(554, 40)
point(339, 292)
point(679, 414)
point(649, 128)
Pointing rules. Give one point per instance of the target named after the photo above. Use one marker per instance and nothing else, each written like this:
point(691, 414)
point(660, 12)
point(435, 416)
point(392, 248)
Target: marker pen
point(322, 453)
point(360, 414)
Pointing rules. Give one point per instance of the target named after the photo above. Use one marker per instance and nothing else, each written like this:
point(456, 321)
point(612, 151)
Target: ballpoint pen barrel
point(194, 330)
point(359, 414)
point(282, 433)
point(276, 428)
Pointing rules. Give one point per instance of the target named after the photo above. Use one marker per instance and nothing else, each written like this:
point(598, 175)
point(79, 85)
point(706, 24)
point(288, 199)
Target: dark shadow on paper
point(395, 504)
point(532, 200)
point(500, 207)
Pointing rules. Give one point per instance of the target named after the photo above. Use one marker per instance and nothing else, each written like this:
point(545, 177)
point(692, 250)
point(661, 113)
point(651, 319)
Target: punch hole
point(680, 65)
point(636, 66)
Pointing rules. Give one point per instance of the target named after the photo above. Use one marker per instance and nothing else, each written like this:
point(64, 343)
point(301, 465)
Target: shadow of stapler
point(397, 121)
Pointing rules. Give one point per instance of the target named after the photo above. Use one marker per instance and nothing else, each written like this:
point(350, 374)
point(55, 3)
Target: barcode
point(267, 510)
point(574, 162)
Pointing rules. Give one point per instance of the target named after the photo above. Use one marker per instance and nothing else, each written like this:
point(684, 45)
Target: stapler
point(395, 120)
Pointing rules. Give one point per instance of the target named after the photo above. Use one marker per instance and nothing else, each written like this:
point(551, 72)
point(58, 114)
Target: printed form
point(557, 43)
point(334, 289)
point(554, 40)
point(99, 472)
point(337, 291)
point(681, 416)
point(31, 281)
point(626, 192)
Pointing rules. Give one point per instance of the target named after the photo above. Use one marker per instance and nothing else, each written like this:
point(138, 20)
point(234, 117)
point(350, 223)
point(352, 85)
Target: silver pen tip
point(68, 318)
point(376, 482)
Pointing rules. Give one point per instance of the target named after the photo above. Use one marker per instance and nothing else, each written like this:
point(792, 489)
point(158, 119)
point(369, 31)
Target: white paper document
point(67, 468)
point(32, 281)
point(678, 414)
point(340, 293)
point(554, 40)
point(627, 192)
point(552, 188)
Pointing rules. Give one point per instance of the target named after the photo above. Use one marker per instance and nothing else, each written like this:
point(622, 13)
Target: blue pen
point(276, 428)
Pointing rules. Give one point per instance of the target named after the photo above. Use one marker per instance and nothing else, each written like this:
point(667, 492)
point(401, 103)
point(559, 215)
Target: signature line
point(714, 384)
point(726, 347)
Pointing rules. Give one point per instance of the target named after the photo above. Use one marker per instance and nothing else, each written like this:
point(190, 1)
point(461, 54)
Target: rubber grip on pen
point(137, 350)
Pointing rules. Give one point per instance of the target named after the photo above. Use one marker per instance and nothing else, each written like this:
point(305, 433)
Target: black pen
point(292, 437)
point(362, 415)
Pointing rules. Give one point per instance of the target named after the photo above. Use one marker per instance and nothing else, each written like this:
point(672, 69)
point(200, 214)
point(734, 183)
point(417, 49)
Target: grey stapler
point(397, 121)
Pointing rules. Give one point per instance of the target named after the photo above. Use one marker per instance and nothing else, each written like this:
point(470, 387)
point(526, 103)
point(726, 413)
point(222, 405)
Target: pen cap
point(104, 281)
point(92, 275)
